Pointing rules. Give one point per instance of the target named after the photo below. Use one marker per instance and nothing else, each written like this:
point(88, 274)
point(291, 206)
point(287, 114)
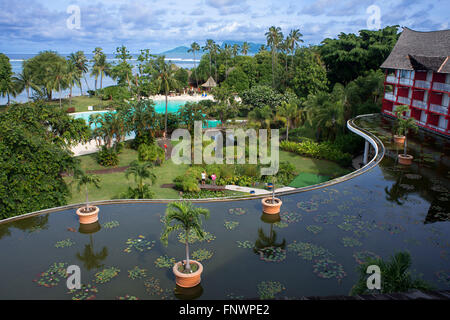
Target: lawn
point(113, 184)
point(81, 103)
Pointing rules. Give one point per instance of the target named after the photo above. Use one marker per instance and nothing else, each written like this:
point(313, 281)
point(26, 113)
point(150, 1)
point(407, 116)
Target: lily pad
point(362, 256)
point(291, 217)
point(314, 229)
point(53, 275)
point(237, 211)
point(137, 273)
point(245, 244)
point(230, 225)
point(444, 277)
point(202, 254)
point(86, 292)
point(106, 275)
point(164, 262)
point(127, 297)
point(139, 244)
point(64, 243)
point(327, 268)
point(308, 251)
point(272, 254)
point(308, 206)
point(268, 289)
point(351, 242)
point(193, 237)
point(110, 224)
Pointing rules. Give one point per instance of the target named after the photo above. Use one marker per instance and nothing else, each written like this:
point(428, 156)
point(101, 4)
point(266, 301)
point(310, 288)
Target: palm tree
point(182, 215)
point(261, 116)
point(103, 67)
point(24, 81)
point(294, 40)
point(85, 180)
point(10, 88)
point(274, 38)
point(244, 48)
point(404, 124)
point(289, 111)
point(195, 47)
point(395, 276)
point(165, 80)
point(72, 78)
point(60, 74)
point(140, 173)
point(226, 51)
point(235, 49)
point(80, 60)
point(210, 44)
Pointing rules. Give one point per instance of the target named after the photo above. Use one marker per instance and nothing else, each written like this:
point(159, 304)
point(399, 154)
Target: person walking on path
point(213, 178)
point(203, 177)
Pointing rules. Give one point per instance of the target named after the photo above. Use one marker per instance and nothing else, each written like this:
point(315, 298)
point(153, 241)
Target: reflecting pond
point(313, 248)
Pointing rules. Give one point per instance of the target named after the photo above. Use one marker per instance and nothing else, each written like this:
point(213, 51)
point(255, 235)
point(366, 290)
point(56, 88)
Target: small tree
point(288, 111)
point(85, 180)
point(182, 215)
point(140, 172)
point(404, 124)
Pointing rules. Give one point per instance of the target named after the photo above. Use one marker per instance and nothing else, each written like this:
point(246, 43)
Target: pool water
point(160, 107)
point(318, 244)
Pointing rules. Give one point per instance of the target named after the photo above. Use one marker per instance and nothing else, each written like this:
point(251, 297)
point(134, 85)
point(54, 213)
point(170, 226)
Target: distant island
point(182, 51)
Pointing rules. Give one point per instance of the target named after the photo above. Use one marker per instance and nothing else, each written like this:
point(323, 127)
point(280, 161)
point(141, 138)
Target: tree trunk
point(165, 120)
point(59, 89)
point(28, 93)
point(87, 199)
point(8, 98)
point(87, 85)
point(287, 130)
point(188, 263)
point(101, 80)
point(273, 74)
point(70, 97)
point(195, 66)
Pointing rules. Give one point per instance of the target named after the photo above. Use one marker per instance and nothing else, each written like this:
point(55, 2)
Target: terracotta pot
point(399, 139)
point(88, 217)
point(405, 160)
point(269, 207)
point(187, 280)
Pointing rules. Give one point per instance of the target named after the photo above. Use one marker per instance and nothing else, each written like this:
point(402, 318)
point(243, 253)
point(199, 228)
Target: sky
point(28, 26)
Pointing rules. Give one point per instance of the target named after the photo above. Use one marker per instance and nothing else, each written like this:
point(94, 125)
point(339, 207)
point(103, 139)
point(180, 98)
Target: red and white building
point(418, 75)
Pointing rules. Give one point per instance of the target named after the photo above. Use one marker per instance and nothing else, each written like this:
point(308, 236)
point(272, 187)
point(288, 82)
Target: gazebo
point(210, 83)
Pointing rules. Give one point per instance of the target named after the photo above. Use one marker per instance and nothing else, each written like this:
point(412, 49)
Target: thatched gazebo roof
point(210, 83)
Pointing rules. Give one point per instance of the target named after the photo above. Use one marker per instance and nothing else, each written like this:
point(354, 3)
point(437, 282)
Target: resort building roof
point(210, 83)
point(417, 50)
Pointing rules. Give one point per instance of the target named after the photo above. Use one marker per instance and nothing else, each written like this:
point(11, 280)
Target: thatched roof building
point(417, 50)
point(210, 83)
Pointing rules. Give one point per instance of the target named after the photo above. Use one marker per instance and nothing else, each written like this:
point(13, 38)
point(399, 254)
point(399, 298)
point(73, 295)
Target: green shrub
point(107, 157)
point(324, 150)
point(186, 183)
point(151, 153)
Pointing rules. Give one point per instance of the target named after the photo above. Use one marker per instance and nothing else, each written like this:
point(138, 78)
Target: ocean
point(16, 60)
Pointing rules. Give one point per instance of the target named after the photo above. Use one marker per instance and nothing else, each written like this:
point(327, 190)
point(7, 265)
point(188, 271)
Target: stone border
point(371, 138)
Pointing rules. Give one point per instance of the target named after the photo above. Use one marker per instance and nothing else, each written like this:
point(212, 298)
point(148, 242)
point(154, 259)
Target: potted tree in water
point(182, 215)
point(87, 214)
point(404, 124)
point(271, 205)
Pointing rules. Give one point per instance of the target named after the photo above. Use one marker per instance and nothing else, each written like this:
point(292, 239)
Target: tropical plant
point(183, 215)
point(395, 276)
point(141, 172)
point(80, 61)
point(195, 47)
point(100, 67)
point(274, 39)
point(24, 81)
point(122, 71)
point(84, 180)
point(164, 75)
point(72, 78)
point(244, 48)
point(289, 111)
point(404, 124)
point(210, 47)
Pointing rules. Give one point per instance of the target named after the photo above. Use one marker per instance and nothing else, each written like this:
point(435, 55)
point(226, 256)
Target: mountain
point(253, 48)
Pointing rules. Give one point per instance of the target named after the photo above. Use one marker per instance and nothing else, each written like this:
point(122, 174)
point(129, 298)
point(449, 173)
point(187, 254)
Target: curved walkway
point(368, 136)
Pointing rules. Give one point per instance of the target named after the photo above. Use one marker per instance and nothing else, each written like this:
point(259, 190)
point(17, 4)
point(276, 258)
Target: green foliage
point(310, 75)
point(352, 55)
point(140, 171)
point(152, 153)
point(261, 96)
point(324, 150)
point(182, 76)
point(237, 80)
point(395, 275)
point(116, 93)
point(34, 151)
point(107, 157)
point(404, 124)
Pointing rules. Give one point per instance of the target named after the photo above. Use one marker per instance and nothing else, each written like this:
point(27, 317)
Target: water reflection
point(188, 293)
point(90, 258)
point(266, 246)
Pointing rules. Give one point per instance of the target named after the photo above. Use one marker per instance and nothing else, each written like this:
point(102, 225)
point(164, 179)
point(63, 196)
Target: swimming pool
point(160, 107)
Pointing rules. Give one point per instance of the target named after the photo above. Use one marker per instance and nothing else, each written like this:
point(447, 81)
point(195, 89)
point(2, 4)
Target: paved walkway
point(257, 191)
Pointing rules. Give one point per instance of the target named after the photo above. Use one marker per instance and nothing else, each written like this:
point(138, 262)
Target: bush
point(115, 93)
point(186, 183)
point(107, 157)
point(349, 143)
point(151, 153)
point(325, 150)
